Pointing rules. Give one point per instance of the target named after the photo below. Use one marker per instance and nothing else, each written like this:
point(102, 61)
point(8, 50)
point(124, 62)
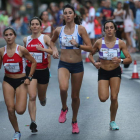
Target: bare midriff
point(108, 65)
point(71, 56)
point(15, 76)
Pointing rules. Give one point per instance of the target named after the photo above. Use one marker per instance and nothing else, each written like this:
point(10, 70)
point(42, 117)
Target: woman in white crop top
point(71, 37)
point(15, 81)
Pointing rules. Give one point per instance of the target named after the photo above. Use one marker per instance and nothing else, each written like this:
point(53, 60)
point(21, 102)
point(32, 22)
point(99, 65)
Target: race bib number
point(66, 40)
point(12, 67)
point(110, 53)
point(37, 56)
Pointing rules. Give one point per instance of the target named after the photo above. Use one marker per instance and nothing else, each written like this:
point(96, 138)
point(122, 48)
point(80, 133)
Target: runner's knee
point(103, 98)
point(63, 89)
point(20, 111)
point(32, 97)
point(114, 97)
point(75, 97)
point(11, 110)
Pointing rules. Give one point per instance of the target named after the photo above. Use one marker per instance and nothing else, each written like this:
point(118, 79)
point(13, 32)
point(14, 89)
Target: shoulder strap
point(5, 50)
point(17, 49)
point(103, 41)
point(62, 29)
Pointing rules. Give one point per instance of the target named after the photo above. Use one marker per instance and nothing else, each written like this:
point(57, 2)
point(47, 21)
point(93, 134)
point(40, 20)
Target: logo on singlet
point(10, 60)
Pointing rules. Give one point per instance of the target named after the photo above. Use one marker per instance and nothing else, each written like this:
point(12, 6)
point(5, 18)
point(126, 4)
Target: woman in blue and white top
point(71, 37)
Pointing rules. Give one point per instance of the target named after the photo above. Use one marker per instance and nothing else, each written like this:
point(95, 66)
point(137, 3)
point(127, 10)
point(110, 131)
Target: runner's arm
point(87, 43)
point(53, 40)
point(47, 42)
point(124, 49)
point(27, 55)
point(94, 50)
point(24, 41)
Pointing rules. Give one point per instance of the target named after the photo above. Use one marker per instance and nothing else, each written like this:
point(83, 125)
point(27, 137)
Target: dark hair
point(89, 1)
point(9, 28)
point(77, 19)
point(126, 8)
point(119, 2)
point(37, 18)
point(42, 14)
point(115, 26)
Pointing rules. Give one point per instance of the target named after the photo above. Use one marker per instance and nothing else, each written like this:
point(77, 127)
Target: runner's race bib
point(37, 56)
point(12, 67)
point(109, 53)
point(66, 40)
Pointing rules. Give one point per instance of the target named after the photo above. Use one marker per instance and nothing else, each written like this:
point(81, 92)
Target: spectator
point(98, 26)
point(107, 12)
point(138, 24)
point(128, 25)
point(84, 20)
point(60, 14)
point(132, 7)
point(24, 26)
point(102, 5)
point(91, 17)
point(118, 14)
point(17, 26)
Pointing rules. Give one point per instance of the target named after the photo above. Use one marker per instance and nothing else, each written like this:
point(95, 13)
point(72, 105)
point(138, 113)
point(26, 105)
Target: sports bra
point(48, 29)
point(64, 38)
point(108, 53)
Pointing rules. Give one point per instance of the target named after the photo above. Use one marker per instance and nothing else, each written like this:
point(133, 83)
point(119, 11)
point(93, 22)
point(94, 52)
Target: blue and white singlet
point(64, 38)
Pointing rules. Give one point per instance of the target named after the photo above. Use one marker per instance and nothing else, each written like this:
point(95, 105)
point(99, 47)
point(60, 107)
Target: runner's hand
point(116, 60)
point(97, 65)
point(73, 42)
point(55, 54)
point(38, 47)
point(27, 82)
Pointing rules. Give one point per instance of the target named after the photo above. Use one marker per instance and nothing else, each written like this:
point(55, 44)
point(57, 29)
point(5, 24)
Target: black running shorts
point(106, 75)
point(42, 76)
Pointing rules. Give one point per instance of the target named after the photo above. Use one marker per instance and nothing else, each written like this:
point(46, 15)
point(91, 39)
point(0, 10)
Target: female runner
point(47, 28)
point(38, 46)
point(15, 80)
point(71, 36)
point(109, 73)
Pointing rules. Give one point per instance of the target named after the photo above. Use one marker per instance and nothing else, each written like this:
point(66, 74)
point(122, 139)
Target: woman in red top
point(15, 81)
point(47, 28)
point(38, 46)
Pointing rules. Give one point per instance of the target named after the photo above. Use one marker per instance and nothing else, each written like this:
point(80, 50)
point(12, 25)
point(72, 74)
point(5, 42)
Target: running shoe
point(113, 126)
point(17, 136)
point(50, 74)
point(75, 128)
point(43, 103)
point(62, 117)
point(33, 127)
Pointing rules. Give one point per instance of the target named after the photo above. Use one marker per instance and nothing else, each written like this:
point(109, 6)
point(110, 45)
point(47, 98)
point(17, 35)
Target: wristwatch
point(121, 61)
point(30, 78)
point(78, 46)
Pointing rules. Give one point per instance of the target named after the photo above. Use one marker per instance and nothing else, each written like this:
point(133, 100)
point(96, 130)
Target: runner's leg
point(76, 81)
point(115, 86)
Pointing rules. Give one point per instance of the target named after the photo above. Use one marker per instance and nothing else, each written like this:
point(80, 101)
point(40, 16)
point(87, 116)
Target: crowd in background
point(126, 15)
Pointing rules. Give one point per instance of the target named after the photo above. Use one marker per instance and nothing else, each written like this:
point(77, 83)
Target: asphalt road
point(93, 117)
